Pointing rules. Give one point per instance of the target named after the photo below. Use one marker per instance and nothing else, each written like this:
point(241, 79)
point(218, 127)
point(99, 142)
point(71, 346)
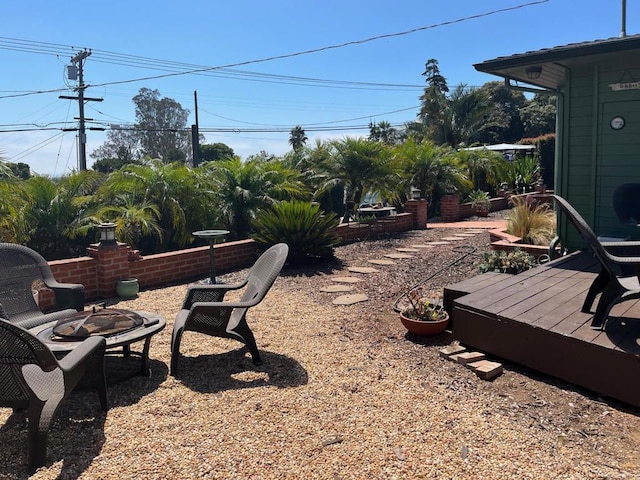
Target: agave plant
point(301, 225)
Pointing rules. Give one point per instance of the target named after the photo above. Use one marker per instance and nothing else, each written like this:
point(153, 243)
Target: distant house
point(597, 85)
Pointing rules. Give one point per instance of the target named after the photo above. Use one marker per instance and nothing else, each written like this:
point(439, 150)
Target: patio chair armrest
point(68, 295)
point(209, 293)
point(91, 346)
point(199, 306)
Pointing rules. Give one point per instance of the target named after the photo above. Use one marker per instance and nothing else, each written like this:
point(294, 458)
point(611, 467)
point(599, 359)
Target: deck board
point(535, 319)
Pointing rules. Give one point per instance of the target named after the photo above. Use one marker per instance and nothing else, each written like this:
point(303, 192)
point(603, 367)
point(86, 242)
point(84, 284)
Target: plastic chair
point(204, 309)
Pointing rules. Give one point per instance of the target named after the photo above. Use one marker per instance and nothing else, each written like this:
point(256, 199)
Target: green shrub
point(307, 230)
point(503, 262)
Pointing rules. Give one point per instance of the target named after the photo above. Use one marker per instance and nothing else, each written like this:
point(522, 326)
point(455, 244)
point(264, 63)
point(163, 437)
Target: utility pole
point(82, 136)
point(195, 134)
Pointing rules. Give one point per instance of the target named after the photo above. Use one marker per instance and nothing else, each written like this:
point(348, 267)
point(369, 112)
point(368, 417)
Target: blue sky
point(149, 39)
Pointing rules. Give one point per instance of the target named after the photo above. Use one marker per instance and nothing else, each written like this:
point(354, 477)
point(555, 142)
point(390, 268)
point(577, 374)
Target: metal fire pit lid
point(105, 322)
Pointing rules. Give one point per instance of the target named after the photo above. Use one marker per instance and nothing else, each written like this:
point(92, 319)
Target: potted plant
point(480, 202)
point(423, 316)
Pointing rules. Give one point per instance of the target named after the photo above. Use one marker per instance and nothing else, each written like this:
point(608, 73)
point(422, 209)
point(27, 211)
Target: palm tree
point(359, 166)
point(173, 189)
point(241, 189)
point(297, 138)
point(430, 168)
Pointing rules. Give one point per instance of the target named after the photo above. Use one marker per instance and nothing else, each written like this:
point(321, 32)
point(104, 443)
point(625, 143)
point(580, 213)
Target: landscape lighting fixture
point(107, 233)
point(533, 73)
point(415, 193)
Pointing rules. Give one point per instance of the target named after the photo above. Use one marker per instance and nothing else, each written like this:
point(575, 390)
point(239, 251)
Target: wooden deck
point(534, 319)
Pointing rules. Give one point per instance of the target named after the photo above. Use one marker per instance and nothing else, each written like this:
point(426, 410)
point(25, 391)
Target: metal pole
point(623, 33)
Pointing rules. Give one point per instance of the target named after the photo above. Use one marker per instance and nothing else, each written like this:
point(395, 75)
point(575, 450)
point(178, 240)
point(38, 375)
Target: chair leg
point(250, 341)
point(175, 351)
point(37, 436)
point(610, 296)
point(598, 286)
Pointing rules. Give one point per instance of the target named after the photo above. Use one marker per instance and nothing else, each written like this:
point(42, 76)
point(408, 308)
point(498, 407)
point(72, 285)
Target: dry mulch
point(344, 393)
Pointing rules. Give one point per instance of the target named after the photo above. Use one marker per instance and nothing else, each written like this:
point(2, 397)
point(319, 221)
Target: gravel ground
point(344, 393)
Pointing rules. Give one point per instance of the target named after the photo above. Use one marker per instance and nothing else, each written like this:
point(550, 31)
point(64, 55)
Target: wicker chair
point(24, 270)
point(617, 280)
point(204, 310)
point(32, 378)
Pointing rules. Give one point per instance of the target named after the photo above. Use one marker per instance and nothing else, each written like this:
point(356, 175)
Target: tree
point(433, 102)
point(242, 189)
point(215, 151)
point(161, 124)
point(297, 138)
point(502, 117)
point(359, 166)
point(383, 132)
point(539, 116)
point(160, 131)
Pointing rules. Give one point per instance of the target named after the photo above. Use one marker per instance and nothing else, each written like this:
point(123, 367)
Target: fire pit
point(105, 322)
point(120, 328)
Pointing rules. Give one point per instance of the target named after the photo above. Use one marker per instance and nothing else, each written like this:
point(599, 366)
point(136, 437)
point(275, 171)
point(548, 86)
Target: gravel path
point(343, 393)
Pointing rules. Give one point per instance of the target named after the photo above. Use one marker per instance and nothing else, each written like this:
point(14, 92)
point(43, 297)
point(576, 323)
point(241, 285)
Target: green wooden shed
point(597, 86)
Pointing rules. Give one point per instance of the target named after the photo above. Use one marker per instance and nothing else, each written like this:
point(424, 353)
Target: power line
point(111, 57)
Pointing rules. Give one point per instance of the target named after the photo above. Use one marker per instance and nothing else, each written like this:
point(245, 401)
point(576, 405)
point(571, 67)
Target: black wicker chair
point(23, 271)
point(204, 310)
point(32, 378)
point(617, 280)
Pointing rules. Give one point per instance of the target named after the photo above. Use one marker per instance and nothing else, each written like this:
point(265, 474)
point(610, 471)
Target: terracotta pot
point(424, 328)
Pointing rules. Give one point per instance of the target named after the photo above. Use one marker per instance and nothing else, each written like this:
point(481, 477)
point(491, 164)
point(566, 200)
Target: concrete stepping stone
point(381, 261)
point(438, 243)
point(475, 230)
point(423, 245)
point(407, 250)
point(452, 239)
point(350, 299)
point(464, 235)
point(363, 270)
point(336, 288)
point(398, 255)
point(346, 279)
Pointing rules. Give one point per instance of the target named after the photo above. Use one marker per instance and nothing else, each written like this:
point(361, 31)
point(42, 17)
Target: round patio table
point(211, 236)
point(152, 323)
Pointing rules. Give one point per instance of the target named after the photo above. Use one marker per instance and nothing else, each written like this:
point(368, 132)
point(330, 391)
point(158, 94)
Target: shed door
point(618, 162)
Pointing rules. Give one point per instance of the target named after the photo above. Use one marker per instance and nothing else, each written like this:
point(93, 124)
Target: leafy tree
point(297, 138)
point(502, 117)
point(108, 165)
point(433, 101)
point(160, 131)
point(121, 148)
point(161, 123)
point(215, 151)
point(539, 116)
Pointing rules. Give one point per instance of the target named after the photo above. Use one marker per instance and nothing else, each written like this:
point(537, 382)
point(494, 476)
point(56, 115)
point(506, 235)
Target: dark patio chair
point(32, 378)
point(23, 271)
point(626, 204)
point(204, 309)
point(617, 280)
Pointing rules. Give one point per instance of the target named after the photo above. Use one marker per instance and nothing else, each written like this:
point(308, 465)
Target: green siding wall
point(593, 158)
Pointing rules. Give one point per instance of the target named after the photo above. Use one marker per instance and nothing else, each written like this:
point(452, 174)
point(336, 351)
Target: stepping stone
point(398, 255)
point(452, 239)
point(408, 250)
point(363, 270)
point(475, 230)
point(486, 369)
point(448, 352)
point(464, 235)
point(336, 288)
point(381, 261)
point(465, 358)
point(350, 299)
point(423, 245)
point(437, 243)
point(346, 279)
